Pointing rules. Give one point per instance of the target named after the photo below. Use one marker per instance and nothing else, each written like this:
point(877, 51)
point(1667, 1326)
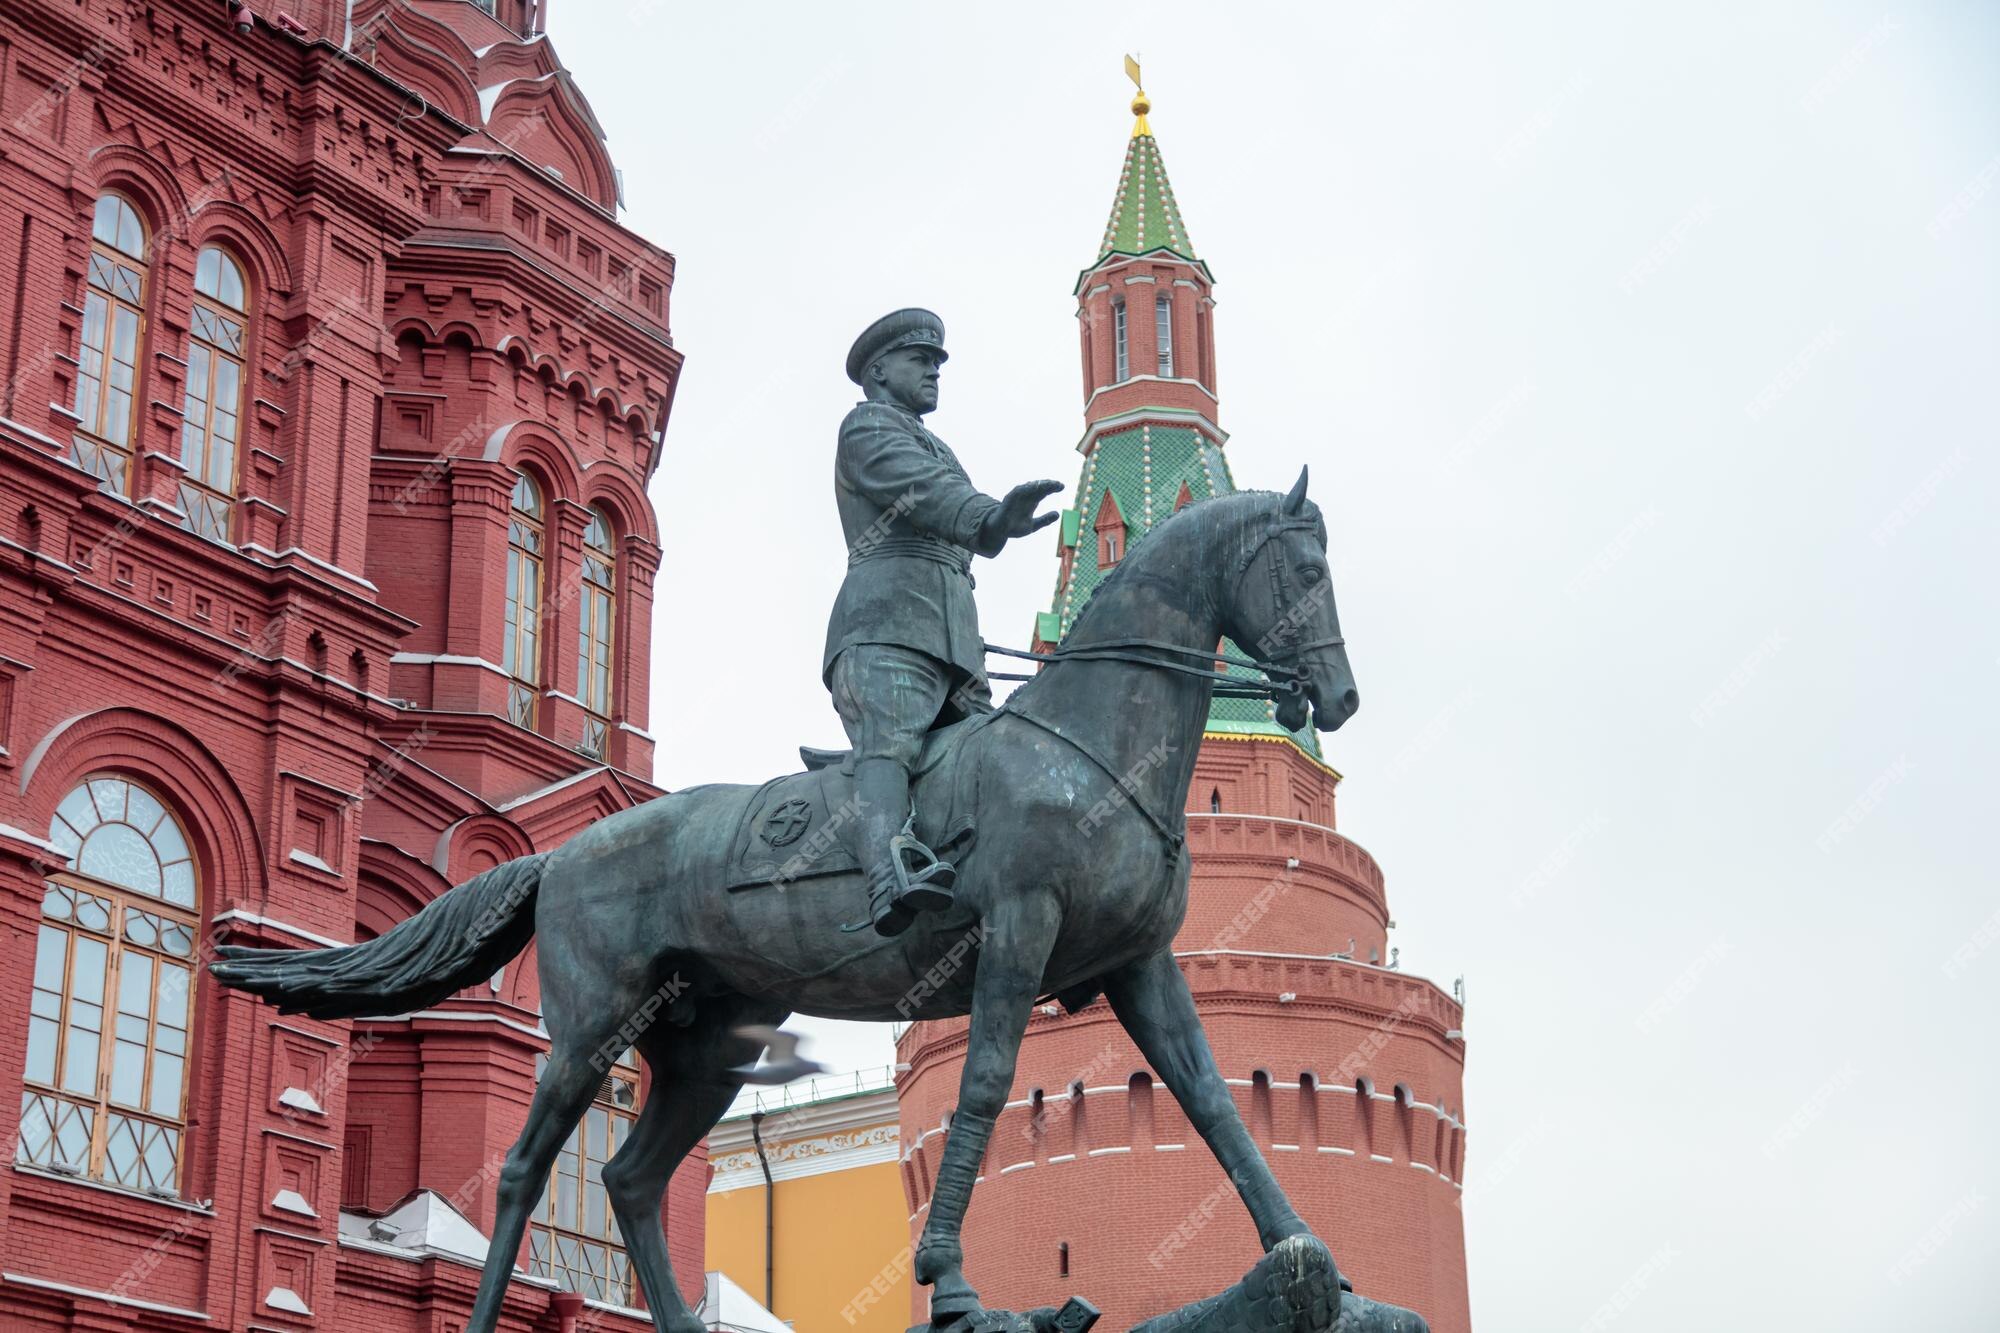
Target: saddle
point(791, 828)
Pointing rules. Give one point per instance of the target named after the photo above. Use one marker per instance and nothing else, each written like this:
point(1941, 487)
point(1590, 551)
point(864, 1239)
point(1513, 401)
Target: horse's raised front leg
point(1018, 937)
point(1151, 999)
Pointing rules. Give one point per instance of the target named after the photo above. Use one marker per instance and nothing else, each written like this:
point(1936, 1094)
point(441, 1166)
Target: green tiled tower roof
point(1144, 215)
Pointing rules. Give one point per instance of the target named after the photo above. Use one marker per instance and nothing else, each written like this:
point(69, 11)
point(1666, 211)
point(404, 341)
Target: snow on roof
point(728, 1308)
point(422, 1224)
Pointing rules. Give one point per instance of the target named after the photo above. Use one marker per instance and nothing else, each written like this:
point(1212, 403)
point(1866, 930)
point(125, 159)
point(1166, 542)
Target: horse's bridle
point(1285, 630)
point(1282, 675)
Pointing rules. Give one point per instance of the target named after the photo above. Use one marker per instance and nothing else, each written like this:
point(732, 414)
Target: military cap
point(903, 328)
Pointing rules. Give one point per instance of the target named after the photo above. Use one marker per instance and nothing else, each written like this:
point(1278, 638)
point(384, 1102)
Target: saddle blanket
point(795, 827)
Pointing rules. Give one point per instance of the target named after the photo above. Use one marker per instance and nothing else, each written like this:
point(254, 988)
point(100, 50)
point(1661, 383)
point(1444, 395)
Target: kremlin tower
point(1347, 1071)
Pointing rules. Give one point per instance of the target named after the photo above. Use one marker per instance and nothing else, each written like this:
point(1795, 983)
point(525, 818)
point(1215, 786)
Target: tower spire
point(1144, 215)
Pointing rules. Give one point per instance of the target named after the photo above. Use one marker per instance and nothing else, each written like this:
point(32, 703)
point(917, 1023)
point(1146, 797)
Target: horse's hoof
point(950, 1309)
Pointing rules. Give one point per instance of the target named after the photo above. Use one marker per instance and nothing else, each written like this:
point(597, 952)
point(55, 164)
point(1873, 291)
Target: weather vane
point(1140, 104)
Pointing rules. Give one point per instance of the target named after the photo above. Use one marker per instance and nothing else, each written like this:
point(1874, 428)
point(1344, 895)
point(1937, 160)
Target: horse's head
point(1279, 606)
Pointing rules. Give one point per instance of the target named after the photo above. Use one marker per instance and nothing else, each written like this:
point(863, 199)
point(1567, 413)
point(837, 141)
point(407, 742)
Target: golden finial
point(1140, 103)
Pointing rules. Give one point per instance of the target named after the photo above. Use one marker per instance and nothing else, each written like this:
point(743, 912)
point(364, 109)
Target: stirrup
point(923, 880)
point(898, 891)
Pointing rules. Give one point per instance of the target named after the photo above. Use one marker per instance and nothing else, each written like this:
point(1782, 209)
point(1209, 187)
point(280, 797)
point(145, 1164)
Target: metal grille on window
point(107, 373)
point(111, 1004)
point(1163, 333)
point(1124, 361)
point(521, 652)
point(595, 615)
point(575, 1238)
point(211, 414)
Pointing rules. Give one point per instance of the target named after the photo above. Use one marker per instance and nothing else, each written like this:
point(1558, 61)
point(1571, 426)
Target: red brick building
point(1347, 1070)
point(330, 384)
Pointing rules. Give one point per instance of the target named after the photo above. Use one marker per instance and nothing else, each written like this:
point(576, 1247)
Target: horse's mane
point(1205, 508)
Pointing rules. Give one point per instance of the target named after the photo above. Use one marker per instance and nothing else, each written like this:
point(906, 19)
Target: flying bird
point(781, 1063)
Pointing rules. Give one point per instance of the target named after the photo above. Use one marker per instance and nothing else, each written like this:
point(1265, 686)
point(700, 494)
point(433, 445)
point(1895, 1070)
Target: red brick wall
point(283, 691)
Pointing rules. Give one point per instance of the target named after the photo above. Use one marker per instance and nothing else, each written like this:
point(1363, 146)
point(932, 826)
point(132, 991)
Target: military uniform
point(903, 652)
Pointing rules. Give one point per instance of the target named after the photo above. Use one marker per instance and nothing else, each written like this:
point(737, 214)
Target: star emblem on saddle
point(788, 823)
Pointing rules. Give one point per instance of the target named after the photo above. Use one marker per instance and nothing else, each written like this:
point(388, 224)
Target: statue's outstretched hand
point(1016, 516)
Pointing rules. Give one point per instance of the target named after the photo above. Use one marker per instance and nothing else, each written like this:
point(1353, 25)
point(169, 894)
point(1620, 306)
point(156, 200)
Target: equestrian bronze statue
point(727, 901)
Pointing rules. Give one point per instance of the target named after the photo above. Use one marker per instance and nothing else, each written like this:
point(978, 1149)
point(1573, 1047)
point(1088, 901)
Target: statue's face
point(908, 377)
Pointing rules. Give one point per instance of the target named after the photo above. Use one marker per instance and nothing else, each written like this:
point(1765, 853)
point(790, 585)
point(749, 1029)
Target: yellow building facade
point(825, 1244)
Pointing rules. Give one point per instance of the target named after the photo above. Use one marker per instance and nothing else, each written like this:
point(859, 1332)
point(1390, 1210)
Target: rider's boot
point(905, 877)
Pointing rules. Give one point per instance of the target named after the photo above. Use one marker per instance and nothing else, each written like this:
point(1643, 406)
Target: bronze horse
point(1076, 885)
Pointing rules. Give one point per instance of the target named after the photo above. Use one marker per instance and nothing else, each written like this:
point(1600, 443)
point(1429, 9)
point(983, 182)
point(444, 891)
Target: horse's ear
point(1295, 502)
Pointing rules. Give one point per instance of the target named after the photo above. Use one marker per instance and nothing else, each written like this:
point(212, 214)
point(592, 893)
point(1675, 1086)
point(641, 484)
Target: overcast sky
point(1646, 361)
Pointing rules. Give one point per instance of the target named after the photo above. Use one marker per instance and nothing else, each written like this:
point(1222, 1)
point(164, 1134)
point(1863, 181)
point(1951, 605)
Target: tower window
point(1163, 333)
point(1062, 1259)
point(1124, 360)
point(521, 651)
point(107, 376)
point(213, 409)
point(595, 613)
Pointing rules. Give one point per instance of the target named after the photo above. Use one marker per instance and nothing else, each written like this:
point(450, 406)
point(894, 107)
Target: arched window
point(595, 615)
point(521, 654)
point(574, 1237)
point(1122, 358)
point(213, 410)
point(1163, 333)
point(109, 1020)
point(114, 315)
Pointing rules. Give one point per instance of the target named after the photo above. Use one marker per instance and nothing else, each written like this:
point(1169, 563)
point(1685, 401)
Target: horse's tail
point(464, 936)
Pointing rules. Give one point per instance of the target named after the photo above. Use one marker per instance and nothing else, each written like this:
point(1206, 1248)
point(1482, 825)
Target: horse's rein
point(1282, 679)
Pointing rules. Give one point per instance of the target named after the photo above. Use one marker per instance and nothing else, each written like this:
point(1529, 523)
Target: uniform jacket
point(911, 519)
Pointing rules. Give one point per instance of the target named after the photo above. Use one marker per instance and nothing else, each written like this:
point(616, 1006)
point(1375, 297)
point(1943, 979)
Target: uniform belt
point(923, 548)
